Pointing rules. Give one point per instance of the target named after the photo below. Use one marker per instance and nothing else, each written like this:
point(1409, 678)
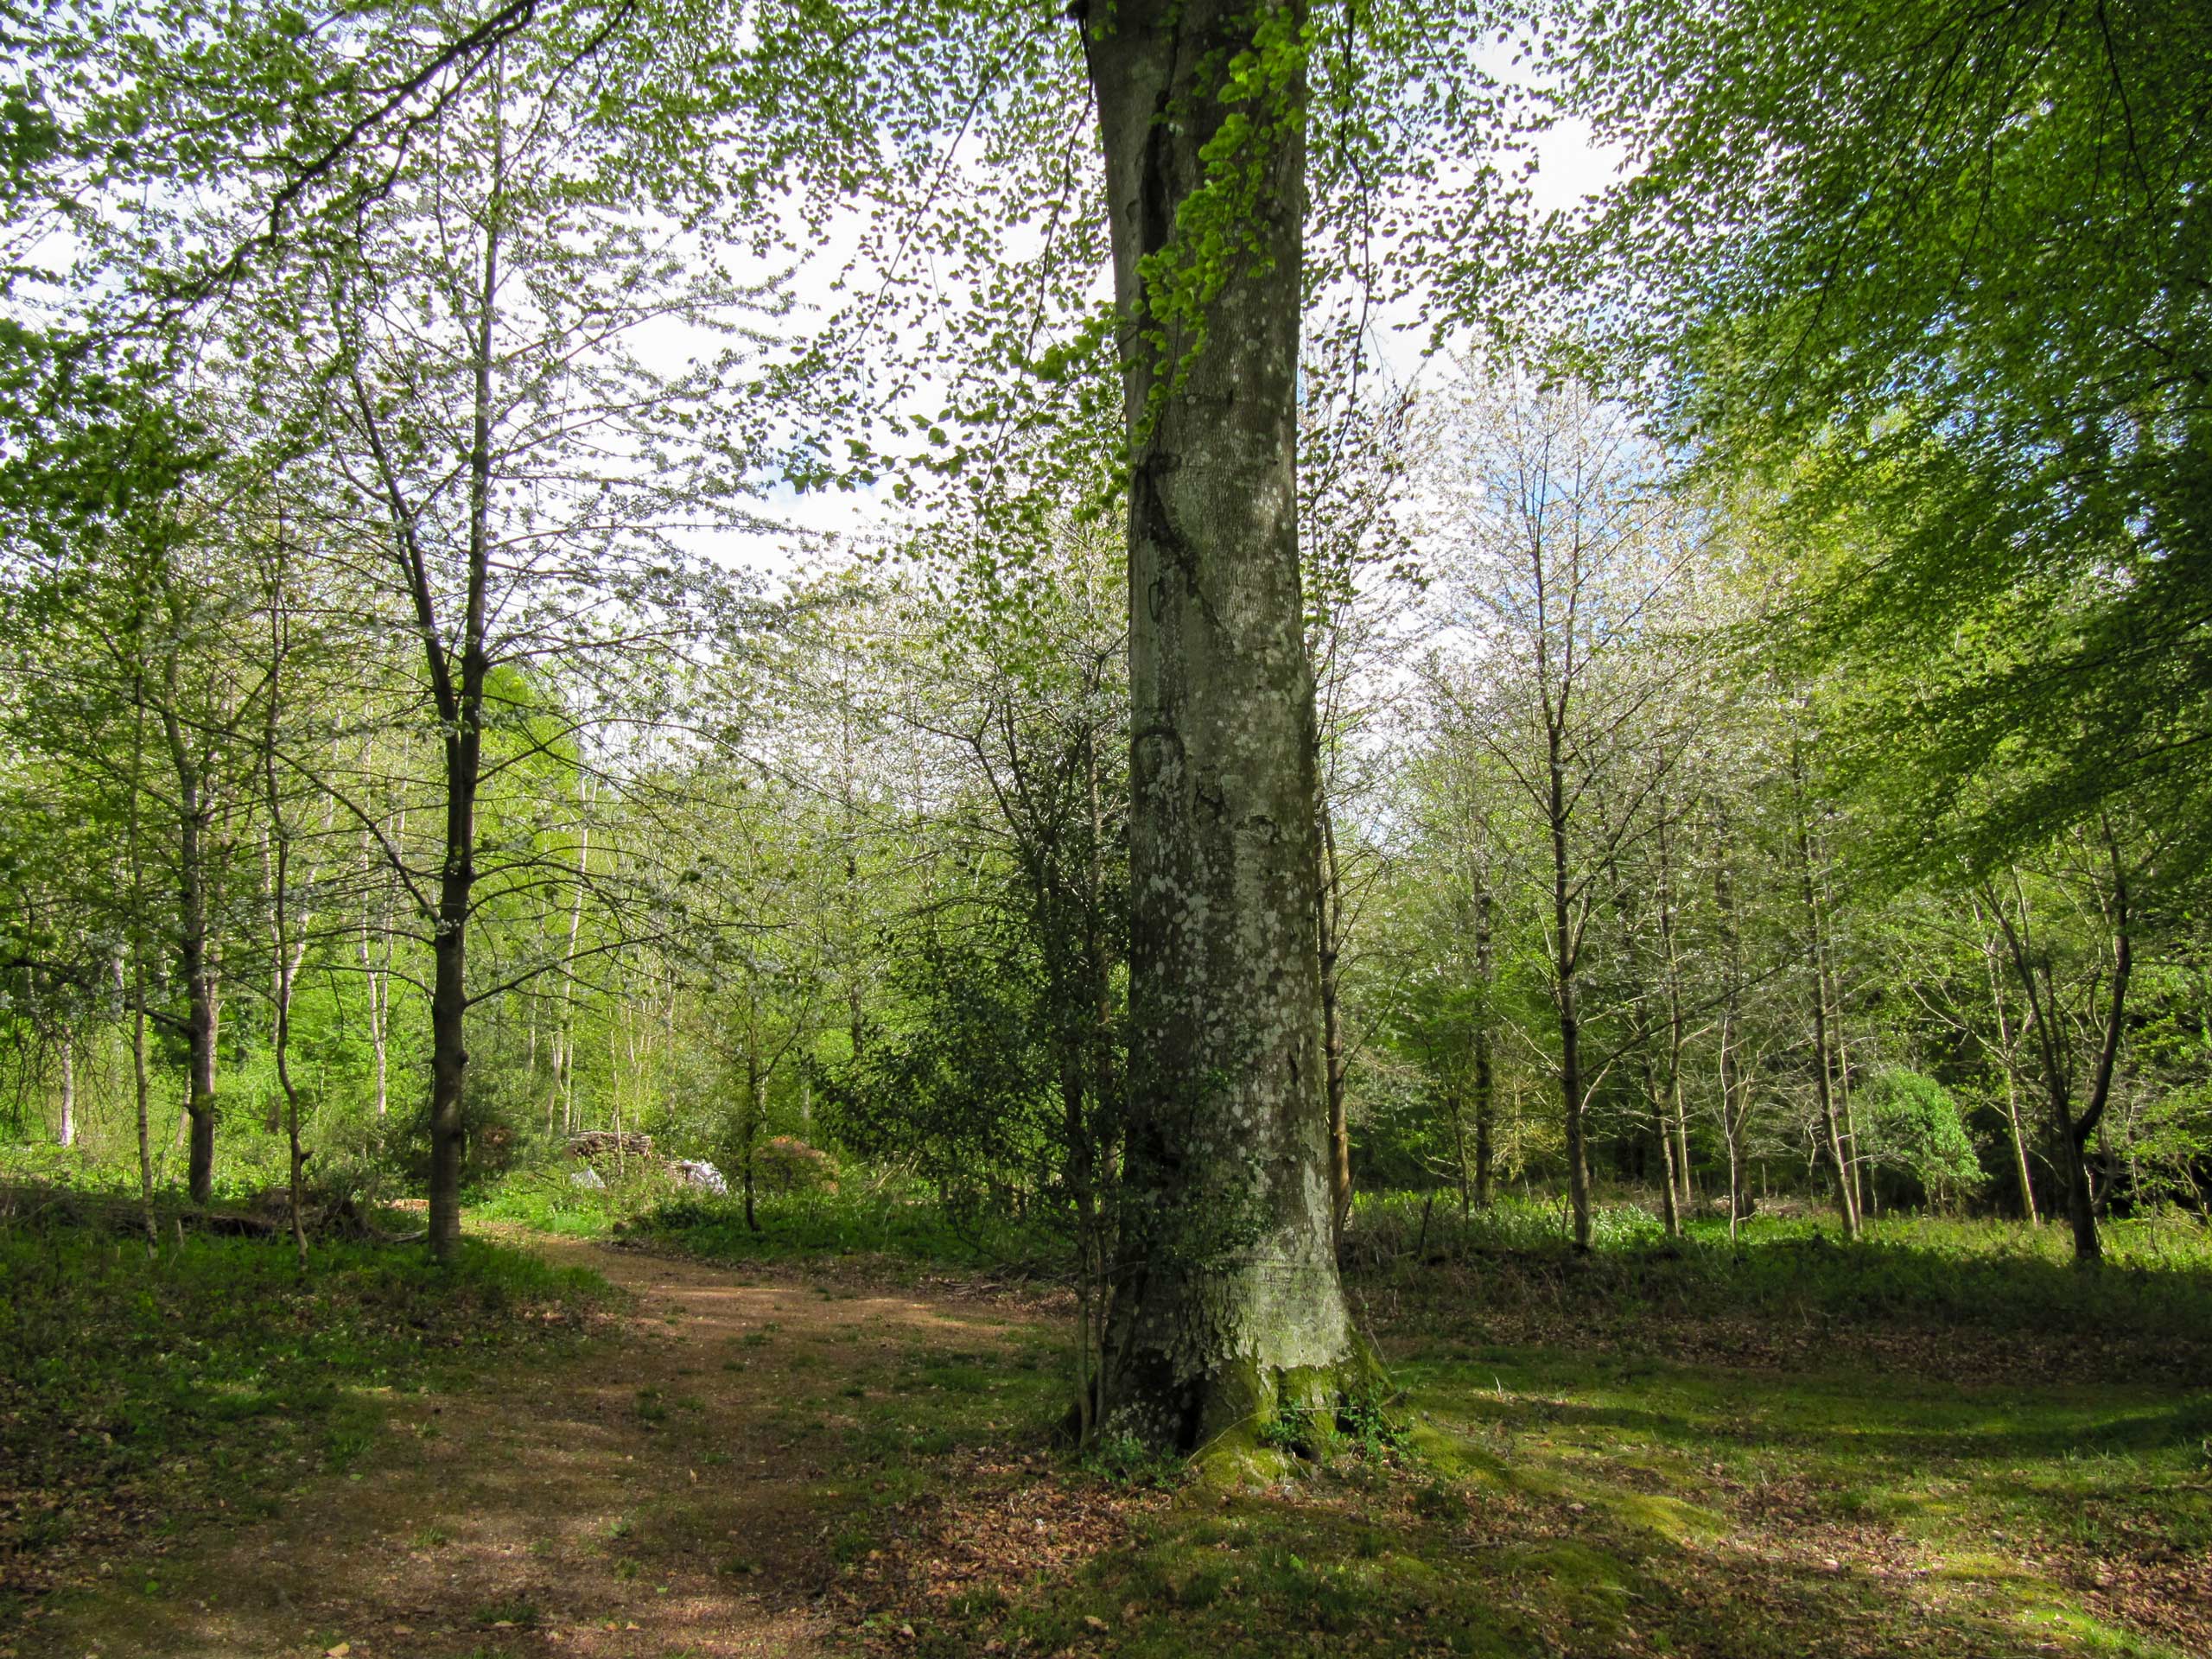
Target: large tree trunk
point(1228, 1306)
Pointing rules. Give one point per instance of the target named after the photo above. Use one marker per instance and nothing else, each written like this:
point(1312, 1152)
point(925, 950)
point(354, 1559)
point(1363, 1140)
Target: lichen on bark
point(1227, 1276)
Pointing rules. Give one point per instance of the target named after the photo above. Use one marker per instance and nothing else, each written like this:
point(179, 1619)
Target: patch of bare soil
point(662, 1494)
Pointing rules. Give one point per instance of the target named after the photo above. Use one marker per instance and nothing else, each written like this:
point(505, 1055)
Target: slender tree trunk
point(2080, 1205)
point(284, 964)
point(2004, 1055)
point(449, 1003)
point(1655, 1097)
point(379, 1024)
point(68, 1135)
point(1566, 990)
point(1862, 1179)
point(1678, 1162)
point(2069, 1134)
point(1228, 1289)
point(756, 1105)
point(1082, 1201)
point(462, 749)
point(2020, 1150)
point(564, 1040)
point(1455, 1114)
point(141, 1084)
point(1330, 909)
point(1731, 1118)
point(138, 958)
point(1831, 1130)
point(192, 939)
point(1096, 1165)
point(1831, 1134)
point(1486, 1082)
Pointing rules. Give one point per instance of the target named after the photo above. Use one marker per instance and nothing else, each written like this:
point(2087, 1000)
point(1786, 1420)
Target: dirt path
point(662, 1494)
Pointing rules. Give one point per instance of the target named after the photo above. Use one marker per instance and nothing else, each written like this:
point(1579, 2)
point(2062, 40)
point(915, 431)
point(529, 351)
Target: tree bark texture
point(461, 712)
point(1228, 1306)
point(1566, 974)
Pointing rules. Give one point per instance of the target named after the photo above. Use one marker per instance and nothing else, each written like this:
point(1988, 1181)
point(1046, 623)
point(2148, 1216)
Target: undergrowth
point(141, 1391)
point(888, 1222)
point(2149, 1306)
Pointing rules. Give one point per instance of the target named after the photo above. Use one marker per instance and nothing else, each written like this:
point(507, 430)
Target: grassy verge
point(1550, 1503)
point(1951, 1298)
point(1858, 1453)
point(145, 1393)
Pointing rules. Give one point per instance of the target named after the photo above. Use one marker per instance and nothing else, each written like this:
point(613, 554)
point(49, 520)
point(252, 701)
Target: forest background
point(1738, 787)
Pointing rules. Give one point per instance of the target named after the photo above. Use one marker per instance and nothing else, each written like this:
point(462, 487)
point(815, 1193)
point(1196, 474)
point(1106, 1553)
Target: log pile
point(608, 1144)
point(269, 1215)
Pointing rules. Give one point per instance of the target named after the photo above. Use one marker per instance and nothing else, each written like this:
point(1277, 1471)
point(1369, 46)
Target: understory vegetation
point(1943, 1435)
point(143, 1393)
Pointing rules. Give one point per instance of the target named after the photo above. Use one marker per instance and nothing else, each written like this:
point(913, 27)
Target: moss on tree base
point(1260, 1422)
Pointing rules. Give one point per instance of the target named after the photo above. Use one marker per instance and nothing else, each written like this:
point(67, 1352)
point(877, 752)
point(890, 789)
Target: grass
point(1551, 1502)
point(1943, 1440)
point(1771, 1292)
point(1889, 1471)
point(139, 1391)
point(894, 1225)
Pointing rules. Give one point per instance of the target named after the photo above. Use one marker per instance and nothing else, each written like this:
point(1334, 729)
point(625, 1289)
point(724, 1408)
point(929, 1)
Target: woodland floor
point(801, 1461)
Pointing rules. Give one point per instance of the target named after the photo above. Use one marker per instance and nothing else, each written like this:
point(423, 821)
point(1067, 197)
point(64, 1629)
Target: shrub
point(786, 1164)
point(1909, 1124)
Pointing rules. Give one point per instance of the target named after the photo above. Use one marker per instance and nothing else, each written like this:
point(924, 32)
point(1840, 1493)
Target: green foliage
point(1937, 277)
point(1910, 1122)
point(892, 1219)
point(1125, 1460)
point(549, 1199)
point(967, 1095)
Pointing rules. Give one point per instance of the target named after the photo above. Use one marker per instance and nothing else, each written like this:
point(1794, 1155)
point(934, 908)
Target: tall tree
point(1940, 273)
point(1566, 564)
point(1229, 1307)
